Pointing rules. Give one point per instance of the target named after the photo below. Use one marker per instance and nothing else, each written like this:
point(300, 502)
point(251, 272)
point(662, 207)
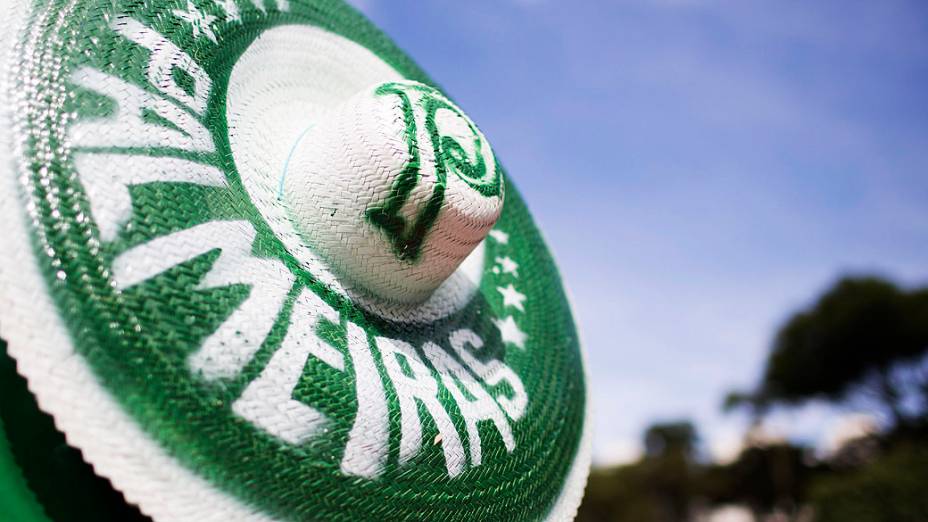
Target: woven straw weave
point(200, 344)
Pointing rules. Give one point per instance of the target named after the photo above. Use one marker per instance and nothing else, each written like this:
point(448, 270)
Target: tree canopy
point(670, 438)
point(851, 337)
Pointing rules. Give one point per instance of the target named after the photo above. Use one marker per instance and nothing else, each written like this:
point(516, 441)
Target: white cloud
point(725, 447)
point(845, 429)
point(618, 452)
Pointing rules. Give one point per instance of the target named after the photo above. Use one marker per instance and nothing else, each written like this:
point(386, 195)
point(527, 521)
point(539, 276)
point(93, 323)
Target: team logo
point(222, 342)
point(467, 161)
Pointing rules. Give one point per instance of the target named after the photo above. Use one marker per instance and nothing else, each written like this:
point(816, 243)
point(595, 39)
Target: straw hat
point(257, 266)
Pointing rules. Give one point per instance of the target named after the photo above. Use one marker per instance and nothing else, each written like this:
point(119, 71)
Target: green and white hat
point(256, 266)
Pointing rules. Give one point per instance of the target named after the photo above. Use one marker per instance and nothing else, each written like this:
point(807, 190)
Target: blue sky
point(700, 169)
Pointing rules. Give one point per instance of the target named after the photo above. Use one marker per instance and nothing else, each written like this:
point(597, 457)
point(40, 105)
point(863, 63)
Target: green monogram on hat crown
point(451, 156)
point(246, 366)
point(406, 180)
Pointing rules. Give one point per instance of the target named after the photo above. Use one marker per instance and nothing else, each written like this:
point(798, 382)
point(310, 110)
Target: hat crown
point(394, 188)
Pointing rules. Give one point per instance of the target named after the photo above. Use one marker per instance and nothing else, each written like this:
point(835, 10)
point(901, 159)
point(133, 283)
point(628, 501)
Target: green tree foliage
point(891, 489)
point(671, 439)
point(764, 477)
point(864, 337)
point(667, 467)
point(619, 494)
point(658, 488)
point(849, 341)
point(669, 484)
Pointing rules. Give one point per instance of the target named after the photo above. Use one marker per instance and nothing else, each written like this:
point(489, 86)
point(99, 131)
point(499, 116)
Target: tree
point(657, 488)
point(668, 467)
point(850, 341)
point(764, 477)
point(893, 488)
point(670, 439)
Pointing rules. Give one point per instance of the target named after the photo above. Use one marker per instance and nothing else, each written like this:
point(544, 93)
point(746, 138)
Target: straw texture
point(192, 336)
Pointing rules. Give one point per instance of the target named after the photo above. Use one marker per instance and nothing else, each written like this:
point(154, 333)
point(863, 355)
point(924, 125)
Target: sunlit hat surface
point(257, 266)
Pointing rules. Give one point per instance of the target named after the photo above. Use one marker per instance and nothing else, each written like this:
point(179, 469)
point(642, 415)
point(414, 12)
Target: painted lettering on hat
point(155, 133)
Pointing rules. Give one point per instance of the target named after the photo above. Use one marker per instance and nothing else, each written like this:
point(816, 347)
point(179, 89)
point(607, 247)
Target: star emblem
point(510, 332)
point(512, 297)
point(198, 20)
point(508, 266)
point(500, 237)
